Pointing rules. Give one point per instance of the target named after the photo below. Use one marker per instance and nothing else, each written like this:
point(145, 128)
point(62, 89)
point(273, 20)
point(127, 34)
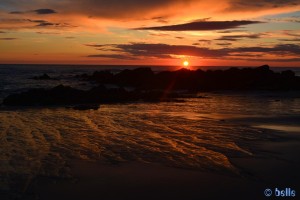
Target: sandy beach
point(277, 167)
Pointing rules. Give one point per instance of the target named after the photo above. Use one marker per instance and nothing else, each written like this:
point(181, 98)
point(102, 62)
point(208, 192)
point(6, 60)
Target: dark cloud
point(43, 23)
point(48, 33)
point(224, 44)
point(241, 5)
point(113, 56)
point(230, 31)
point(203, 19)
point(239, 37)
point(70, 37)
point(47, 24)
point(56, 25)
point(246, 55)
point(292, 34)
point(272, 60)
point(203, 41)
point(201, 26)
point(8, 38)
point(159, 34)
point(282, 60)
point(137, 50)
point(96, 45)
point(180, 38)
point(290, 40)
point(2, 32)
point(290, 20)
point(37, 21)
point(16, 12)
point(160, 19)
point(165, 50)
point(44, 11)
point(280, 49)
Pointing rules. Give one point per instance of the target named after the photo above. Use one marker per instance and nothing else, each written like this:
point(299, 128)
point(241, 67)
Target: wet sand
point(144, 181)
point(263, 148)
point(93, 180)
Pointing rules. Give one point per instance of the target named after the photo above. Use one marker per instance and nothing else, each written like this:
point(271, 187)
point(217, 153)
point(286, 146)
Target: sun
point(186, 63)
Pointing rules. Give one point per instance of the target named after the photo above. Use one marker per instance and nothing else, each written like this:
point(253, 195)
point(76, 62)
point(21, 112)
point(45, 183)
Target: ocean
point(199, 134)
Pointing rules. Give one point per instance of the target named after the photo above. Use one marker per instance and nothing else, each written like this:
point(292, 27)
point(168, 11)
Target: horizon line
point(192, 66)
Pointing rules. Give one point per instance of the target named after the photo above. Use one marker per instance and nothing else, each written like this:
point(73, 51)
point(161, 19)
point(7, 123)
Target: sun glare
point(186, 64)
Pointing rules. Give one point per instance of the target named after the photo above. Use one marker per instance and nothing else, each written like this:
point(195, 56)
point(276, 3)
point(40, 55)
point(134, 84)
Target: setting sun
point(186, 63)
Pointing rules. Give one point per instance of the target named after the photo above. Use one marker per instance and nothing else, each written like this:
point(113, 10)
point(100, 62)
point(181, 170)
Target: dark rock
point(43, 77)
point(86, 107)
point(156, 87)
point(55, 96)
point(264, 68)
point(260, 78)
point(136, 78)
point(64, 95)
point(288, 74)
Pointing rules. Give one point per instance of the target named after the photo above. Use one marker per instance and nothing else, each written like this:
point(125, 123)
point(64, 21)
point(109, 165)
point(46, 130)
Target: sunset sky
point(156, 32)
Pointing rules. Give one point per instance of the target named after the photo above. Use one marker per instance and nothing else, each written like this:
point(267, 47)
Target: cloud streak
point(202, 26)
point(44, 23)
point(239, 37)
point(138, 50)
point(42, 11)
point(113, 56)
point(253, 5)
point(290, 40)
point(45, 11)
point(8, 39)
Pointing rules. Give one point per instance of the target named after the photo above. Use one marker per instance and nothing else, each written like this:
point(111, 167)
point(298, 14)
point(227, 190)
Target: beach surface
point(93, 180)
point(273, 164)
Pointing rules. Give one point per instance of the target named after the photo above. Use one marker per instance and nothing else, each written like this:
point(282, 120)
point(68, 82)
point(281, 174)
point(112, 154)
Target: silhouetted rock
point(260, 78)
point(64, 95)
point(43, 77)
point(57, 95)
point(137, 77)
point(154, 87)
point(288, 74)
point(86, 107)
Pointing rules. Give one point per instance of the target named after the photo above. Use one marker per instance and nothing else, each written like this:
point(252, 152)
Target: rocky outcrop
point(83, 99)
point(261, 78)
point(43, 77)
point(154, 87)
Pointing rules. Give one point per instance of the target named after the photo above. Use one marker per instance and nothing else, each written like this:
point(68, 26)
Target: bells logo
point(287, 192)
